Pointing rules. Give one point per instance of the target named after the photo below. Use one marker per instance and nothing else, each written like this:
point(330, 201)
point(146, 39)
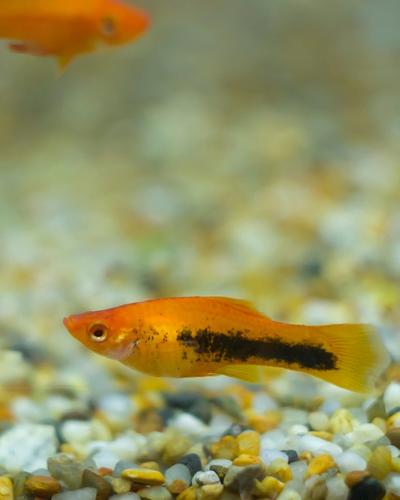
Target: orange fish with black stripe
point(201, 336)
point(66, 28)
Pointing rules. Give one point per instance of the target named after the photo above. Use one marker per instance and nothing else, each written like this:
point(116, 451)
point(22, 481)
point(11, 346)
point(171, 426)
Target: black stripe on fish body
point(234, 346)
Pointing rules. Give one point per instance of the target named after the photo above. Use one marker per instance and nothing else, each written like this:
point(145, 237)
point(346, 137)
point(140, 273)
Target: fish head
point(105, 332)
point(119, 23)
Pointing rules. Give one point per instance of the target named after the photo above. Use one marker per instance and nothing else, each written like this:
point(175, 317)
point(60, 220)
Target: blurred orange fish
point(67, 28)
point(199, 336)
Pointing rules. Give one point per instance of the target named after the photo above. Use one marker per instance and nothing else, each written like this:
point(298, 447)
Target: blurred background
point(239, 148)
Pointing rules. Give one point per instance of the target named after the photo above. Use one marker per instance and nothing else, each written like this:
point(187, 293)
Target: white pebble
point(77, 431)
point(263, 403)
point(317, 446)
point(349, 461)
point(127, 446)
point(393, 484)
point(288, 494)
point(336, 488)
point(364, 433)
point(298, 429)
point(391, 397)
point(329, 406)
point(125, 496)
point(105, 458)
point(118, 406)
point(207, 477)
point(27, 447)
point(298, 471)
point(26, 410)
point(273, 440)
point(292, 416)
point(219, 462)
point(188, 424)
point(268, 456)
point(393, 450)
point(82, 494)
point(318, 420)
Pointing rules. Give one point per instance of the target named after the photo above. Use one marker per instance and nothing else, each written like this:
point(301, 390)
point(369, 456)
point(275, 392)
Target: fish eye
point(98, 332)
point(108, 26)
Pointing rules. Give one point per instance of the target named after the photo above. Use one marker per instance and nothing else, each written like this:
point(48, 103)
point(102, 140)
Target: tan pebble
point(188, 494)
point(243, 395)
point(380, 462)
point(320, 464)
point(177, 486)
point(396, 464)
point(341, 422)
point(6, 488)
point(120, 485)
point(393, 421)
point(306, 455)
point(362, 450)
point(210, 491)
point(148, 420)
point(150, 465)
point(322, 435)
point(226, 447)
point(249, 443)
point(394, 436)
point(175, 447)
point(144, 476)
point(105, 471)
point(265, 423)
point(280, 469)
point(379, 422)
point(354, 477)
point(244, 459)
point(268, 487)
point(43, 486)
point(71, 450)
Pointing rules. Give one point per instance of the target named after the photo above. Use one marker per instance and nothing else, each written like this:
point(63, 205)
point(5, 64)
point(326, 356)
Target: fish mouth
point(69, 323)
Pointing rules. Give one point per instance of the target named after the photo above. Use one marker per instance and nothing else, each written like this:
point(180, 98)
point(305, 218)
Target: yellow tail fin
point(361, 356)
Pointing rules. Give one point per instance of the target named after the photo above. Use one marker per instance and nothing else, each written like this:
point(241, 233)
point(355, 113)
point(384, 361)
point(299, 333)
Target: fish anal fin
point(242, 305)
point(248, 373)
point(63, 61)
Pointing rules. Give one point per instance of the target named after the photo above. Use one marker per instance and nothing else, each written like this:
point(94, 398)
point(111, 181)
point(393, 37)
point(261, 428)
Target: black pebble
point(166, 414)
point(367, 489)
point(292, 455)
point(181, 400)
point(393, 411)
point(192, 462)
point(202, 410)
point(235, 429)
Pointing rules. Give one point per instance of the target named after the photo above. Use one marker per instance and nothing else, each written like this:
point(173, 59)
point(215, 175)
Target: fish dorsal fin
point(248, 373)
point(242, 305)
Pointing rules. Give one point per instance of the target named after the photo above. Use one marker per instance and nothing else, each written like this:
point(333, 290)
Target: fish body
point(65, 29)
point(201, 336)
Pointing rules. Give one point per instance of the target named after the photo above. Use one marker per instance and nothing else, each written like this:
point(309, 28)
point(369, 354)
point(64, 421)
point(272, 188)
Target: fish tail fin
point(361, 356)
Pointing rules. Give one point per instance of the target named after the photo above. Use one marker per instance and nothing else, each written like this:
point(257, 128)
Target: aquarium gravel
point(245, 151)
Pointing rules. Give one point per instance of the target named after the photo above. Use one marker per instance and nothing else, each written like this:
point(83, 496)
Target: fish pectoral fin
point(20, 47)
point(26, 48)
point(248, 373)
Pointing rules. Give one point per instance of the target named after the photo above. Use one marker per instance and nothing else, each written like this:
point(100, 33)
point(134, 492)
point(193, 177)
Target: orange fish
point(199, 336)
point(67, 28)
